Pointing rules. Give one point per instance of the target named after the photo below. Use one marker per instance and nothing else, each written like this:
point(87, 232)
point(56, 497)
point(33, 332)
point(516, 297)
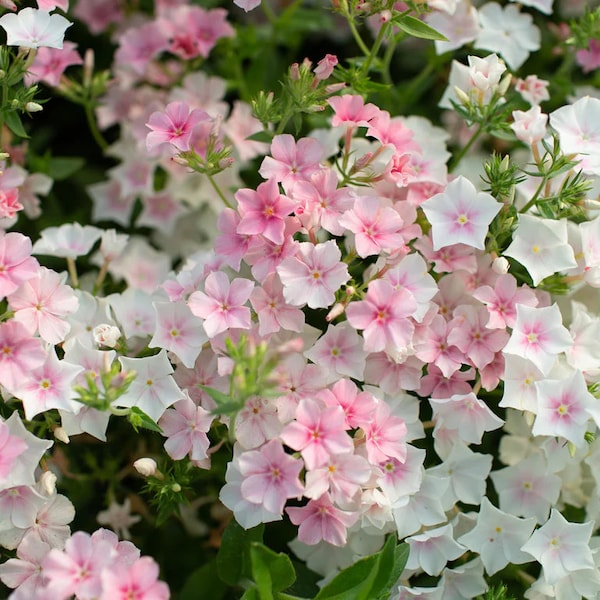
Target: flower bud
point(33, 107)
point(500, 265)
point(145, 466)
point(106, 335)
point(61, 435)
point(47, 483)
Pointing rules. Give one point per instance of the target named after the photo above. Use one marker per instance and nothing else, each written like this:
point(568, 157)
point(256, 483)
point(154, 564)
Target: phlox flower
point(321, 520)
point(520, 376)
point(247, 4)
point(533, 89)
point(431, 550)
point(42, 302)
point(384, 316)
point(9, 203)
point(138, 581)
point(119, 518)
point(400, 479)
point(561, 547)
point(77, 569)
point(178, 331)
point(460, 214)
point(221, 305)
point(25, 571)
point(69, 240)
point(16, 263)
point(50, 63)
point(263, 211)
point(11, 447)
point(185, 426)
point(358, 406)
point(589, 60)
point(466, 414)
point(351, 111)
point(318, 432)
point(270, 476)
point(257, 423)
point(153, 390)
point(139, 45)
point(460, 28)
point(529, 126)
point(385, 435)
point(578, 127)
point(376, 227)
point(527, 489)
point(292, 161)
point(509, 32)
point(562, 408)
point(50, 5)
point(173, 126)
point(498, 537)
point(539, 336)
point(272, 310)
point(33, 28)
point(313, 275)
point(541, 246)
point(339, 351)
point(431, 346)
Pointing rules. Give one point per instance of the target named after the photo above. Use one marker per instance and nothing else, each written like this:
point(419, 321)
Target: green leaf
point(233, 559)
point(138, 418)
point(230, 408)
point(218, 396)
point(366, 579)
point(62, 167)
point(401, 552)
point(261, 136)
point(277, 565)
point(418, 28)
point(205, 583)
point(14, 123)
point(251, 593)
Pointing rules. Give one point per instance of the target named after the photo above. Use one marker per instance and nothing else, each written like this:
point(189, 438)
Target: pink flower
point(589, 60)
point(351, 110)
point(222, 303)
point(185, 426)
point(529, 126)
point(16, 263)
point(376, 228)
point(138, 581)
point(533, 89)
point(314, 275)
point(11, 446)
point(139, 45)
point(321, 520)
point(270, 476)
point(42, 303)
point(358, 406)
point(50, 63)
point(9, 203)
point(263, 211)
point(384, 316)
point(384, 435)
point(460, 214)
point(325, 67)
point(318, 433)
point(292, 161)
point(173, 126)
point(539, 336)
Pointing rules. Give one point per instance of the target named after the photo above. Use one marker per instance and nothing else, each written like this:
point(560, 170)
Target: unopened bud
point(47, 483)
point(295, 72)
point(462, 95)
point(225, 163)
point(504, 84)
point(145, 466)
point(336, 311)
point(61, 435)
point(106, 335)
point(33, 107)
point(176, 488)
point(500, 265)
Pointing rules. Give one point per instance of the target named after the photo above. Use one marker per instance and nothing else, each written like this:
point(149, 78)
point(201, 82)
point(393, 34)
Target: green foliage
point(234, 563)
point(370, 578)
point(204, 583)
point(417, 28)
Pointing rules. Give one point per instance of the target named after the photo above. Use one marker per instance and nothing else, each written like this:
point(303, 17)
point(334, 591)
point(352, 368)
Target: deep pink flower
point(173, 126)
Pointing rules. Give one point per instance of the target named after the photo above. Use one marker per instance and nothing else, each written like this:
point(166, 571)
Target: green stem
point(269, 12)
point(376, 45)
point(535, 196)
point(357, 37)
point(218, 190)
point(458, 157)
point(72, 272)
point(91, 119)
point(101, 276)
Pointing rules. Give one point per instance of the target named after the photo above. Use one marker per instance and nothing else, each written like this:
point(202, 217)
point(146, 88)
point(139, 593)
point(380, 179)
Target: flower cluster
point(297, 305)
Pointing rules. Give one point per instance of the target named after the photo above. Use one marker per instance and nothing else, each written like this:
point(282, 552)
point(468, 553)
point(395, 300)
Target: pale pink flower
point(229, 244)
point(98, 14)
point(533, 89)
point(140, 45)
point(432, 346)
point(292, 161)
point(33, 28)
point(42, 303)
point(385, 435)
point(460, 28)
point(77, 569)
point(272, 310)
point(318, 432)
point(384, 316)
point(460, 214)
point(263, 211)
point(325, 67)
point(186, 425)
point(501, 300)
point(313, 275)
point(119, 518)
point(25, 571)
point(20, 353)
point(161, 211)
point(257, 423)
point(173, 126)
point(561, 547)
point(222, 303)
point(49, 386)
point(50, 5)
point(589, 59)
point(539, 336)
point(9, 203)
point(178, 331)
point(376, 228)
point(11, 446)
point(16, 263)
point(50, 63)
point(358, 406)
point(270, 476)
point(138, 581)
point(529, 126)
point(321, 520)
point(240, 125)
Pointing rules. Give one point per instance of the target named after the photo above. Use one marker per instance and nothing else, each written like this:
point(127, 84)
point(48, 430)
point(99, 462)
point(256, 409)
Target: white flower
point(33, 28)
